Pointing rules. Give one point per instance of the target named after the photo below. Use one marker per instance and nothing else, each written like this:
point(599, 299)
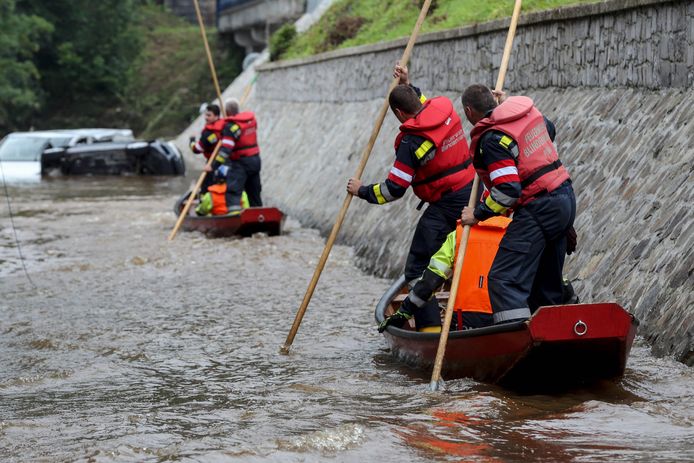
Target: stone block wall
point(622, 43)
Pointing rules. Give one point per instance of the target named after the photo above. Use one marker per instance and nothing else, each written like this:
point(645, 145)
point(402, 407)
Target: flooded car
point(115, 158)
point(25, 156)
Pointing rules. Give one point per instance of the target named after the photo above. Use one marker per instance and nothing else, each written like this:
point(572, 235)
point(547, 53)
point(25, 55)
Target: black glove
point(571, 241)
point(398, 319)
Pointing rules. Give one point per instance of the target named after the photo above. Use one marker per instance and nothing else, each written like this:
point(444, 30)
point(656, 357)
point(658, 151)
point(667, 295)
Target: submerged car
point(27, 155)
point(114, 158)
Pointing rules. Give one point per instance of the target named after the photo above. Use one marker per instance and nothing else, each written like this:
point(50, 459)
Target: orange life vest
point(451, 167)
point(473, 295)
point(219, 201)
point(538, 163)
point(247, 144)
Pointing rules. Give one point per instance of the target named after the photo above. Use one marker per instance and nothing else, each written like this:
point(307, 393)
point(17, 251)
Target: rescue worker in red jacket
point(210, 136)
point(240, 153)
point(515, 157)
point(431, 154)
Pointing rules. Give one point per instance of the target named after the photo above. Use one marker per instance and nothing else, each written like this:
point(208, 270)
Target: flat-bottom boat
point(559, 346)
point(269, 220)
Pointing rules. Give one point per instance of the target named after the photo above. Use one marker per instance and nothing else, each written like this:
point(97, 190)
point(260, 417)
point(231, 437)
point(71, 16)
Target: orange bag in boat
point(473, 295)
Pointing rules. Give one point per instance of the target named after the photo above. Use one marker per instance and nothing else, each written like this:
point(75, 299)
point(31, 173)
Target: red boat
point(251, 220)
point(559, 346)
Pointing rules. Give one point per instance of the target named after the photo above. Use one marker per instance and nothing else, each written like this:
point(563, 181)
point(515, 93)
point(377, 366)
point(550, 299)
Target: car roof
point(96, 133)
point(40, 134)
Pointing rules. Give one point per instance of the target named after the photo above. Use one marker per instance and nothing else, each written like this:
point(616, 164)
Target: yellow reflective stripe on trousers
point(423, 149)
point(494, 206)
point(379, 196)
point(441, 262)
point(440, 268)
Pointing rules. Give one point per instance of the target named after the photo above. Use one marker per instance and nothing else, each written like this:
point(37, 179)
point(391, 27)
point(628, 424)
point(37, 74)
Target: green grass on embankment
point(350, 23)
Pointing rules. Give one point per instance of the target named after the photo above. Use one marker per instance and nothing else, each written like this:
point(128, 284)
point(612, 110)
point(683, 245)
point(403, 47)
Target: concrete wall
point(616, 77)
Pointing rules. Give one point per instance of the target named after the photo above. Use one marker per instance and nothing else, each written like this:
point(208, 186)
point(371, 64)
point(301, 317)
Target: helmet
point(220, 174)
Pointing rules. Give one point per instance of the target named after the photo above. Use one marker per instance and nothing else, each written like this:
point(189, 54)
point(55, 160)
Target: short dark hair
point(404, 98)
point(479, 98)
point(213, 108)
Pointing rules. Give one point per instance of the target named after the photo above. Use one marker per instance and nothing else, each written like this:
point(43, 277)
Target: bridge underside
point(251, 22)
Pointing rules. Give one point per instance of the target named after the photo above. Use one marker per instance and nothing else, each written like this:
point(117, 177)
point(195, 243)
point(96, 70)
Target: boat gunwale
point(394, 290)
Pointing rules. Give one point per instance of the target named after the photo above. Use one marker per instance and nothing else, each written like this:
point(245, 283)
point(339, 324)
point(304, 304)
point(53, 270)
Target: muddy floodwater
point(132, 348)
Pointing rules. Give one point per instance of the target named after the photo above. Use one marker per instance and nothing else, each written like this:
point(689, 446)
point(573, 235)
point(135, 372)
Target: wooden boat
point(251, 220)
point(559, 346)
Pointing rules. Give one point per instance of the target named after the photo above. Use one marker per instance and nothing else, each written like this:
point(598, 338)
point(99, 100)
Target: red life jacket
point(216, 128)
point(247, 144)
point(451, 167)
point(473, 295)
point(219, 201)
point(539, 167)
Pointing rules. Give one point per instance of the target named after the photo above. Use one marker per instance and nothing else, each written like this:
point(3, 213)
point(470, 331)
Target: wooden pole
point(443, 339)
point(209, 57)
point(460, 257)
point(508, 47)
point(360, 169)
point(247, 92)
point(201, 178)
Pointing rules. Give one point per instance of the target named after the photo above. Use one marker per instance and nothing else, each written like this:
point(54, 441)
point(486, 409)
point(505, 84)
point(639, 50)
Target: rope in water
point(14, 229)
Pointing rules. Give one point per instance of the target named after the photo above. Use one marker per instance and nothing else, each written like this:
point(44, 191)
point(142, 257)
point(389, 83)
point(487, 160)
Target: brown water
point(132, 348)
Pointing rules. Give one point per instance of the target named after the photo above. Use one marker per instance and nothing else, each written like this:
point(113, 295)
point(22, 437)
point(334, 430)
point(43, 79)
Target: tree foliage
point(85, 63)
point(20, 37)
point(126, 63)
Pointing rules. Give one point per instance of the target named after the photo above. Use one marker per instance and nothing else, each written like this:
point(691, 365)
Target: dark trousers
point(527, 270)
point(437, 221)
point(207, 182)
point(244, 175)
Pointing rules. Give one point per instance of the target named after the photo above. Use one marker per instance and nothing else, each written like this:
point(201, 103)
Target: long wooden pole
point(443, 339)
point(508, 47)
point(201, 178)
point(460, 257)
point(213, 71)
point(360, 169)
